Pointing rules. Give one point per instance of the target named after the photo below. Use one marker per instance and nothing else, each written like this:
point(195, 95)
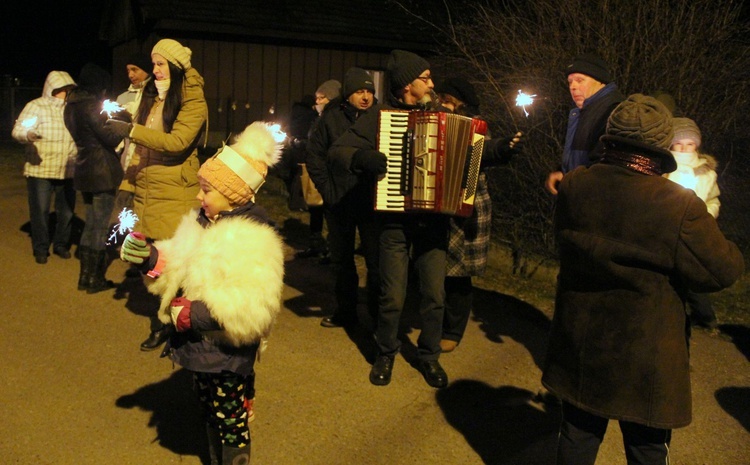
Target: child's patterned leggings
point(222, 395)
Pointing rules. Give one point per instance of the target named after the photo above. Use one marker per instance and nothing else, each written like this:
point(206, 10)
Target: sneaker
point(250, 407)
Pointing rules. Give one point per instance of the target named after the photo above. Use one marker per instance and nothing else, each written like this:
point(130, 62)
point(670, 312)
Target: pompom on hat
point(685, 128)
point(644, 123)
point(239, 170)
point(174, 52)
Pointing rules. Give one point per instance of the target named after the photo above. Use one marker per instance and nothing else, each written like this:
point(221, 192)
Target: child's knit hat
point(685, 128)
point(237, 171)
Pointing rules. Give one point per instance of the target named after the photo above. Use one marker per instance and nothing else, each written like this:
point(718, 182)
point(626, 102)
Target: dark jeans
point(426, 237)
point(581, 434)
point(40, 191)
point(98, 210)
point(458, 301)
point(343, 222)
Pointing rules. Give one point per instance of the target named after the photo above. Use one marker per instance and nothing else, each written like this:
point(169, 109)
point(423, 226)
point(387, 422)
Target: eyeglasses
point(425, 79)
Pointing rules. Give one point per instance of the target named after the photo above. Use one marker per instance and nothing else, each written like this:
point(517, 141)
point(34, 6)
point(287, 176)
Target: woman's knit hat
point(645, 124)
point(330, 89)
point(174, 52)
point(237, 171)
point(685, 128)
point(404, 67)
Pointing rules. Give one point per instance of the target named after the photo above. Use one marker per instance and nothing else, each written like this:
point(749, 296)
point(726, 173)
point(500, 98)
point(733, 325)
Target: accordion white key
point(433, 161)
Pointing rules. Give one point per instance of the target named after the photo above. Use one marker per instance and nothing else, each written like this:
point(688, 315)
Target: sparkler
point(278, 135)
point(127, 220)
point(523, 100)
point(29, 122)
point(110, 107)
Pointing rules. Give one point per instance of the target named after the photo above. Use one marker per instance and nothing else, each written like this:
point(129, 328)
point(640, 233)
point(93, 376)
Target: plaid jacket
point(469, 239)
point(53, 155)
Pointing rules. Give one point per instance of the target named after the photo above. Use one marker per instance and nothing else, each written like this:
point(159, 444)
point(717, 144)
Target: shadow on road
point(736, 402)
point(502, 315)
point(504, 425)
point(740, 336)
point(174, 414)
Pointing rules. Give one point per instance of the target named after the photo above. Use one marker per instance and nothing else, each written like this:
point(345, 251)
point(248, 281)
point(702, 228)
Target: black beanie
point(404, 67)
point(94, 78)
point(142, 61)
point(459, 88)
point(590, 65)
point(356, 79)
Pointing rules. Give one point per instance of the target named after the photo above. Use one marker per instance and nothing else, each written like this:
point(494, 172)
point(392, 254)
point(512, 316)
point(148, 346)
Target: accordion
point(433, 161)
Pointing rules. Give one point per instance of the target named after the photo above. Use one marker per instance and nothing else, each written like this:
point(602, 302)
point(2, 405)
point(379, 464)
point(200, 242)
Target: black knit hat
point(404, 67)
point(356, 79)
point(459, 88)
point(590, 65)
point(94, 78)
point(142, 61)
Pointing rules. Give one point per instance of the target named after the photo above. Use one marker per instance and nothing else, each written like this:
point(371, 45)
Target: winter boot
point(214, 444)
point(235, 456)
point(98, 282)
point(84, 255)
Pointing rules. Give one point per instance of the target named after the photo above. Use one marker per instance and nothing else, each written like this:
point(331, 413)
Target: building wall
point(246, 82)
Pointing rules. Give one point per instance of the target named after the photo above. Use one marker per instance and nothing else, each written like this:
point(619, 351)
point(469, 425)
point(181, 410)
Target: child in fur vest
point(220, 279)
point(695, 171)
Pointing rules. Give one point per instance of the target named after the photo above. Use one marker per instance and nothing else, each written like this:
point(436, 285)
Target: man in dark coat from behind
point(631, 244)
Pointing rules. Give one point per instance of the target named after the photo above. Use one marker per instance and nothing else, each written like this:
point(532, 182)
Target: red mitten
point(180, 309)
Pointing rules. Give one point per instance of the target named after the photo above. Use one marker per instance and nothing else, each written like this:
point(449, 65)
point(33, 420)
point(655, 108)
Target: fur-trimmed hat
point(591, 65)
point(645, 123)
point(404, 67)
point(330, 89)
point(459, 88)
point(685, 128)
point(142, 61)
point(356, 79)
point(237, 171)
point(174, 52)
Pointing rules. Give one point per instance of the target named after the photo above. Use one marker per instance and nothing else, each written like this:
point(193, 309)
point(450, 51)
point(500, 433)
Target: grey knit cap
point(356, 79)
point(642, 119)
point(404, 67)
point(331, 89)
point(685, 128)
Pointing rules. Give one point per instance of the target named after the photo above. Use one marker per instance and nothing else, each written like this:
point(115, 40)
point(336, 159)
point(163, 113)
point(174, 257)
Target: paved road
point(76, 389)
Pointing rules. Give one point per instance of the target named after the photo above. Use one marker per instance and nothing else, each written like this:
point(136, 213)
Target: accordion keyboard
point(393, 142)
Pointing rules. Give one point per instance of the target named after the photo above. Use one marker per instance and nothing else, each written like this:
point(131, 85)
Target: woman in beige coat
point(171, 120)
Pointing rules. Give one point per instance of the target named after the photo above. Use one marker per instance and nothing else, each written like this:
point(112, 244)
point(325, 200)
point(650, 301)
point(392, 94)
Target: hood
point(56, 80)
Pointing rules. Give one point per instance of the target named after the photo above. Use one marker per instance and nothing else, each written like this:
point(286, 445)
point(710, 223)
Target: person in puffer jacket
point(220, 280)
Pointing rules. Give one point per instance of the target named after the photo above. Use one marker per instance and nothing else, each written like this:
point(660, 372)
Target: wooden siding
point(243, 81)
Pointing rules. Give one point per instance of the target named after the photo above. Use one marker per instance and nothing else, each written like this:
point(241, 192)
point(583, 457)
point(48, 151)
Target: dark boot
point(214, 444)
point(98, 282)
point(84, 255)
point(235, 456)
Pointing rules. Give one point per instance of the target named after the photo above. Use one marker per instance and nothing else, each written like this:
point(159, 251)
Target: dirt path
point(76, 389)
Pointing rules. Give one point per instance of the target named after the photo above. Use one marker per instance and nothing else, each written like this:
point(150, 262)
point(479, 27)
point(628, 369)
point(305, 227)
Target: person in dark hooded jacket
point(97, 171)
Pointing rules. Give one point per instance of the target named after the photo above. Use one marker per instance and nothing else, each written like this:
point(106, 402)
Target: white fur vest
point(235, 266)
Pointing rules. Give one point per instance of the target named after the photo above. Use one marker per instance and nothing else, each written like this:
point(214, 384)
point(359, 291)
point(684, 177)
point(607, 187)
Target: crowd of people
point(636, 203)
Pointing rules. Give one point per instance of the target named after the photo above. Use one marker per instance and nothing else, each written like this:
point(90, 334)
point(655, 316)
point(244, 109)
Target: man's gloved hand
point(515, 143)
point(121, 128)
point(180, 310)
point(369, 161)
point(135, 249)
point(32, 136)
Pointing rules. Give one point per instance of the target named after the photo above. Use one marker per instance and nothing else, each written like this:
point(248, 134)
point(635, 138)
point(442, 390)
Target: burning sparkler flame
point(127, 220)
point(278, 135)
point(110, 107)
point(523, 100)
point(29, 122)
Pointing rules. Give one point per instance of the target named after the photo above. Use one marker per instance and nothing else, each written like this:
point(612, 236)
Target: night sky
point(37, 39)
